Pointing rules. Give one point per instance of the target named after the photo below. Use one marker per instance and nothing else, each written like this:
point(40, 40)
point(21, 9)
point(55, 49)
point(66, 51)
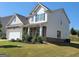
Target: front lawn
point(22, 49)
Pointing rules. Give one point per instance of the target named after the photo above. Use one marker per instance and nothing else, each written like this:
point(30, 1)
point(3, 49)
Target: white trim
point(40, 32)
point(39, 4)
point(13, 19)
point(10, 20)
point(28, 31)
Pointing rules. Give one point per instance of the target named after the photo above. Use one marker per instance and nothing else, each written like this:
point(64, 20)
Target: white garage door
point(14, 35)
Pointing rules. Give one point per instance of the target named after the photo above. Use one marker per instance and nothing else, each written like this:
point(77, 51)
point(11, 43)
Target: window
point(44, 31)
point(58, 34)
point(43, 16)
point(40, 17)
point(37, 18)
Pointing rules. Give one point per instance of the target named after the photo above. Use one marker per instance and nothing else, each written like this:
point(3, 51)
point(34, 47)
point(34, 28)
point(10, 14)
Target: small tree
point(73, 31)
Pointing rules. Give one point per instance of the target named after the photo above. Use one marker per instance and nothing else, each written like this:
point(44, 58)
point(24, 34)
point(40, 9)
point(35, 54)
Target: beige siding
point(18, 21)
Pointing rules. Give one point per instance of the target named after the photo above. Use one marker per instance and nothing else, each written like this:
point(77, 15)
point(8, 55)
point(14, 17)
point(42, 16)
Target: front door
point(44, 31)
point(34, 31)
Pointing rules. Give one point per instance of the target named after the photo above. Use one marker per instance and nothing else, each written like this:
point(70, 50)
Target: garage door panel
point(14, 35)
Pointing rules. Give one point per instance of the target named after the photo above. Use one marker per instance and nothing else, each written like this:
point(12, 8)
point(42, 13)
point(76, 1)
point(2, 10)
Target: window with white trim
point(40, 17)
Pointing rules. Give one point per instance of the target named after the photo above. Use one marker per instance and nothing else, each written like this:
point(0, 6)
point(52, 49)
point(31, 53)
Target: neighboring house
point(4, 21)
point(41, 21)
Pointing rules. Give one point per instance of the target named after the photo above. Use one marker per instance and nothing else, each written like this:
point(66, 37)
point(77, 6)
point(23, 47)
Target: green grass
point(36, 49)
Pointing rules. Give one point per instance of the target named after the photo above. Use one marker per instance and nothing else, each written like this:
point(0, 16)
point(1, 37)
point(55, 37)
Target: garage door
point(14, 35)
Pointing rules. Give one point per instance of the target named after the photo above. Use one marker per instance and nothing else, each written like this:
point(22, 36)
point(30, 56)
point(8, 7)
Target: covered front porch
point(39, 31)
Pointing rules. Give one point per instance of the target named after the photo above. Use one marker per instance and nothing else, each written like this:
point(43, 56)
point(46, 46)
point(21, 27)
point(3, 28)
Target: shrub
point(40, 39)
point(34, 39)
point(27, 38)
point(13, 40)
point(24, 36)
point(18, 40)
point(3, 36)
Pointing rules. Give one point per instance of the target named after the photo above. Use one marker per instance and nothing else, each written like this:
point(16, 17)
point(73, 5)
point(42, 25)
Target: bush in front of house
point(40, 39)
point(29, 39)
point(34, 39)
point(13, 40)
point(3, 36)
point(18, 40)
point(26, 38)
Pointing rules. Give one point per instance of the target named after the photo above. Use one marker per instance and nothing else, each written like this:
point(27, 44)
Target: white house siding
point(53, 24)
point(17, 21)
point(65, 26)
point(40, 11)
point(13, 30)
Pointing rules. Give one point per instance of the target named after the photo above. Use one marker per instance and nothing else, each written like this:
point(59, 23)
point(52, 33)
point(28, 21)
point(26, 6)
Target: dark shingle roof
point(6, 20)
point(23, 19)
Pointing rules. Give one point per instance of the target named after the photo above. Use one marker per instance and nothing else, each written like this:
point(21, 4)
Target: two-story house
point(41, 21)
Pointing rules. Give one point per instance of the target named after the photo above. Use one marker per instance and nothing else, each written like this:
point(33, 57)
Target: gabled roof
point(66, 15)
point(48, 10)
point(21, 17)
point(38, 5)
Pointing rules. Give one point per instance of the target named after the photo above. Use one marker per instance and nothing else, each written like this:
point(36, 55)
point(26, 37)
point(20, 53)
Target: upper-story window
point(40, 17)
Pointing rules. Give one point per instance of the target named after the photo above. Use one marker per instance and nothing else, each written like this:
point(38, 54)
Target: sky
point(24, 8)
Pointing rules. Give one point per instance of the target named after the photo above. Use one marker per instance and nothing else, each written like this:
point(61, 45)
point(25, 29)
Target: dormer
point(38, 14)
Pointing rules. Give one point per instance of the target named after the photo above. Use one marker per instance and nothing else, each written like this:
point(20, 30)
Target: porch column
point(28, 30)
point(40, 31)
